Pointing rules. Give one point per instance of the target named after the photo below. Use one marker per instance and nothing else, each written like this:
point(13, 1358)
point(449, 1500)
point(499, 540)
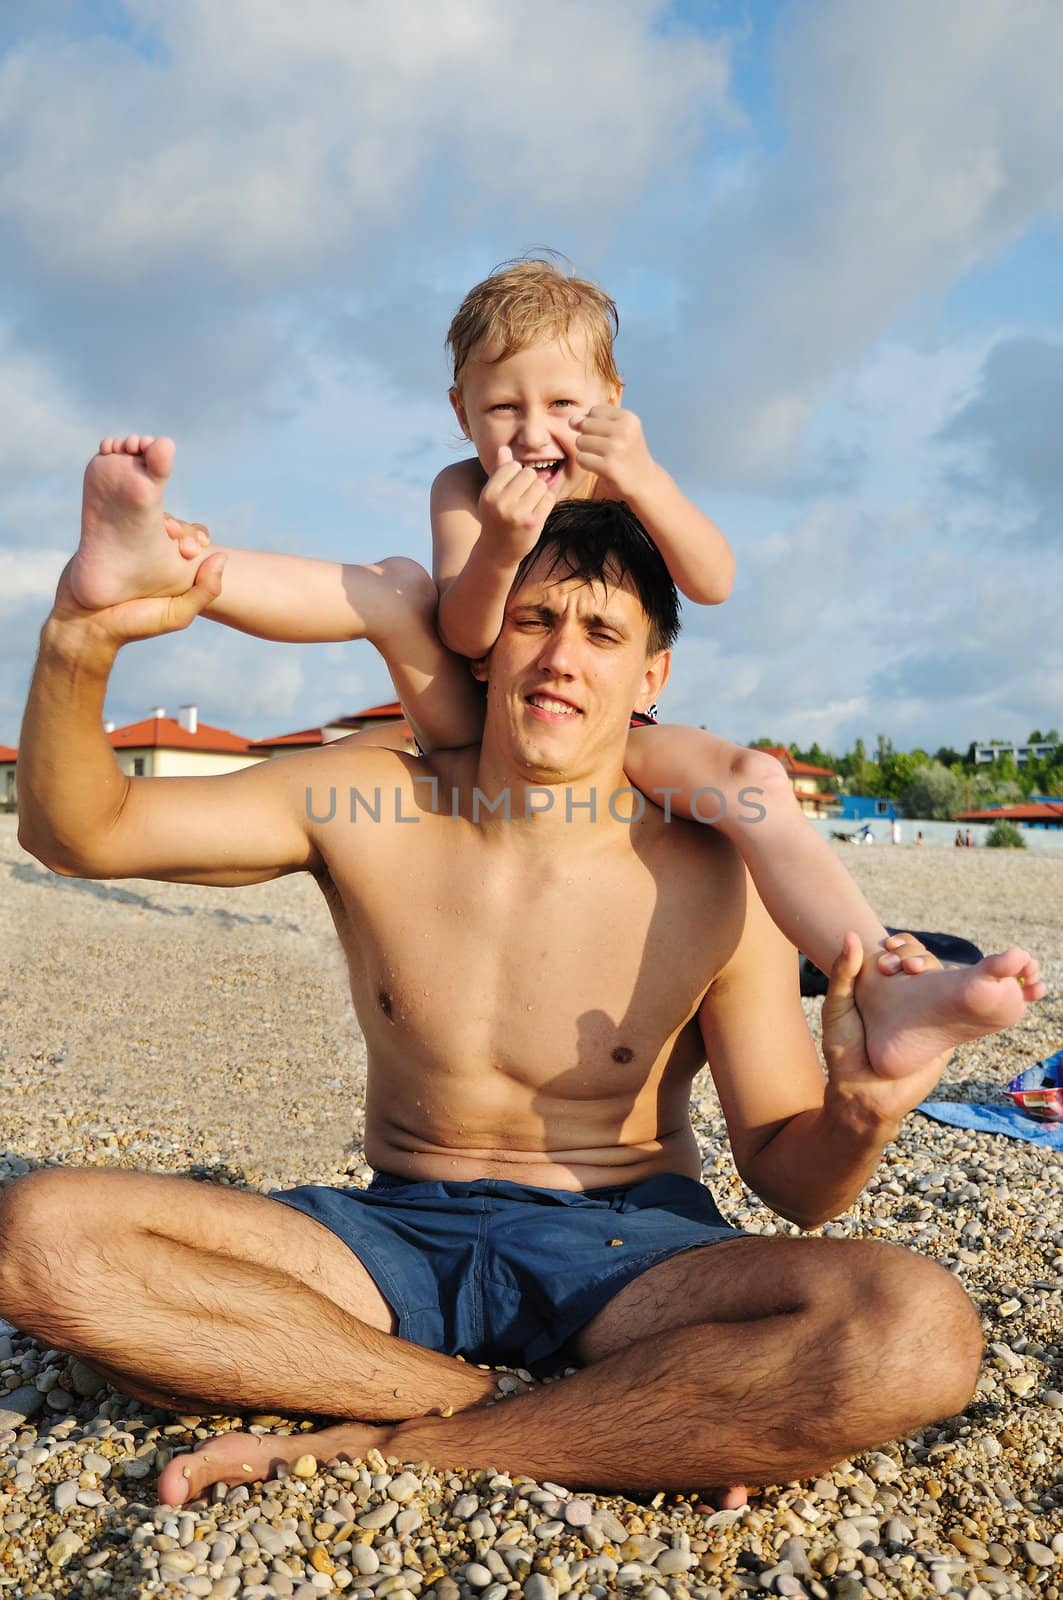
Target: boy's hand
point(514, 505)
point(611, 444)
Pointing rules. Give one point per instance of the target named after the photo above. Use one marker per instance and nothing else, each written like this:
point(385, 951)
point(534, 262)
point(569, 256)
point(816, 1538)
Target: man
point(539, 963)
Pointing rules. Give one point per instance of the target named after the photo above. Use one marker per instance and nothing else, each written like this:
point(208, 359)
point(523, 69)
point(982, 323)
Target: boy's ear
point(616, 396)
point(459, 411)
point(479, 668)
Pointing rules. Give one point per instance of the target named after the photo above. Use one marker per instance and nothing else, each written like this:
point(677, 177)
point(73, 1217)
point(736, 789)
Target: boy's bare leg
point(188, 1293)
point(913, 1009)
point(760, 1360)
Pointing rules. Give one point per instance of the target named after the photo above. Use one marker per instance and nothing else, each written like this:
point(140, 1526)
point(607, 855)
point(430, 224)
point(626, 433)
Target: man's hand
point(514, 506)
point(611, 444)
point(849, 1072)
point(142, 618)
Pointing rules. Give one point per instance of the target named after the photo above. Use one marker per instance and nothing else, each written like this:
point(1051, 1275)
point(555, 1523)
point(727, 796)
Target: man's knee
point(919, 1332)
point(41, 1224)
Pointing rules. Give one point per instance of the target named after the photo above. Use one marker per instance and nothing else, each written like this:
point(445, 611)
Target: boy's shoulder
point(460, 484)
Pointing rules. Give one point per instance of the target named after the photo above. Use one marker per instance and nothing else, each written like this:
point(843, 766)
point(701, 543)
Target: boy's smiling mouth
point(549, 470)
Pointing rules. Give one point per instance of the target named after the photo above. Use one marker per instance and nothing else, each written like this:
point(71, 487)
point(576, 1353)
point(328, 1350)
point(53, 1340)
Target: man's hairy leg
point(172, 1289)
point(757, 1361)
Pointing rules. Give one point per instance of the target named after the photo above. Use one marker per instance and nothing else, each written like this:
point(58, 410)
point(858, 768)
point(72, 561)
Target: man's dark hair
point(602, 541)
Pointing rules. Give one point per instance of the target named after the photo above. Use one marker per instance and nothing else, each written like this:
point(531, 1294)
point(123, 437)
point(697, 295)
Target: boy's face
point(529, 402)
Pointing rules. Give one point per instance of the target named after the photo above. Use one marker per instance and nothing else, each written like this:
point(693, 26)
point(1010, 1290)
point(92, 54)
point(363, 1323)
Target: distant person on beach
point(895, 830)
point(540, 965)
point(968, 840)
point(958, 841)
point(919, 838)
point(537, 392)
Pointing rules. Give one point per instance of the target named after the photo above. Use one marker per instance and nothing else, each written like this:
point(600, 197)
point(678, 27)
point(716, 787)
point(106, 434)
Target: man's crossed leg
point(759, 1360)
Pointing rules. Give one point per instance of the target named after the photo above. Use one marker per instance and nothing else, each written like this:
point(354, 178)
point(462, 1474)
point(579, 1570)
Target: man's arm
point(804, 1141)
point(82, 816)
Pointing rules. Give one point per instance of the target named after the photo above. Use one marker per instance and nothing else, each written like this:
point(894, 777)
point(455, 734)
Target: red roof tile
point(8, 752)
point(1034, 811)
point(800, 769)
point(166, 733)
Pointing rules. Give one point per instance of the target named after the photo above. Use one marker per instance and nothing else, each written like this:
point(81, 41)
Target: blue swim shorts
point(506, 1273)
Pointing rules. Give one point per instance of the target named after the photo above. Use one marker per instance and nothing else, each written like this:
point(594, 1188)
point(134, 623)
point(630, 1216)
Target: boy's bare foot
point(915, 1011)
point(125, 551)
point(249, 1457)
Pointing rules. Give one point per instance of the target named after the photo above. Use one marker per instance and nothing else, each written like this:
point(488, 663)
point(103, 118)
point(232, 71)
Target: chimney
point(188, 718)
point(158, 711)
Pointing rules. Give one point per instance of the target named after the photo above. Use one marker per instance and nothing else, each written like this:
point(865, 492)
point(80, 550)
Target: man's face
point(529, 402)
point(567, 670)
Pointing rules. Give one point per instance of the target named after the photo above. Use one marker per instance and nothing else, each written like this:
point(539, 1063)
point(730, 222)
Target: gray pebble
point(364, 1559)
point(380, 1516)
point(537, 1586)
point(793, 1551)
point(65, 1495)
point(577, 1513)
point(1038, 1553)
point(477, 1574)
point(20, 1406)
point(672, 1561)
point(465, 1506)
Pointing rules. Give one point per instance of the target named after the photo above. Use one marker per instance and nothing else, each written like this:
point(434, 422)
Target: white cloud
point(920, 141)
point(270, 137)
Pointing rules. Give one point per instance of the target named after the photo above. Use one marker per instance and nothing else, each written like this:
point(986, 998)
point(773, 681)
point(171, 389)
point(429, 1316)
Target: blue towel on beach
point(1008, 1120)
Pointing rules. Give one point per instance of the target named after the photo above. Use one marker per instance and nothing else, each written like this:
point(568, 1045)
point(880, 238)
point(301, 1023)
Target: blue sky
point(833, 232)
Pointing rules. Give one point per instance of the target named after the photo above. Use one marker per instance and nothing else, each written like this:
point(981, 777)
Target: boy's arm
point(481, 531)
point(805, 1142)
point(612, 445)
point(82, 816)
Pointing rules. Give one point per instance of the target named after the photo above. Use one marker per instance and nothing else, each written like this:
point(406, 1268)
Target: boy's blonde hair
point(525, 302)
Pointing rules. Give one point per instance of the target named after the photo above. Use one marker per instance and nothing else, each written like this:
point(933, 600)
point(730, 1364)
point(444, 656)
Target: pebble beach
point(208, 1032)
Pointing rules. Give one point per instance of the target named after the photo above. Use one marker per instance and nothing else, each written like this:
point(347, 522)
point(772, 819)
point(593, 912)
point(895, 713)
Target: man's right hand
point(145, 618)
point(514, 506)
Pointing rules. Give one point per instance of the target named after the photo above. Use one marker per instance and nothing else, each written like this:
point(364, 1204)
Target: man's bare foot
point(126, 552)
point(233, 1458)
point(914, 1010)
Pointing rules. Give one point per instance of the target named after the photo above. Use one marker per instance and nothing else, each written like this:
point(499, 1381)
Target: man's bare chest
point(477, 956)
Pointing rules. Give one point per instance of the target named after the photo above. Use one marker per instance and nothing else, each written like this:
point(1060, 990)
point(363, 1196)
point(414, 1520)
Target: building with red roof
point(178, 747)
point(807, 782)
point(8, 758)
point(379, 725)
point(1034, 814)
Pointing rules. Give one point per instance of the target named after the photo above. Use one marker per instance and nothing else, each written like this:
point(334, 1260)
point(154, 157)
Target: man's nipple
point(623, 1053)
point(383, 1000)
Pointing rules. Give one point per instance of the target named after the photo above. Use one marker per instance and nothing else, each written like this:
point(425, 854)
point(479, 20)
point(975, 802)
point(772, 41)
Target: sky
point(833, 232)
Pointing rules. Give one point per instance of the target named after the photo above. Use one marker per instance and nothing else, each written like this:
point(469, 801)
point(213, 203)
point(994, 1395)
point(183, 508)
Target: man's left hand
point(611, 444)
point(850, 1074)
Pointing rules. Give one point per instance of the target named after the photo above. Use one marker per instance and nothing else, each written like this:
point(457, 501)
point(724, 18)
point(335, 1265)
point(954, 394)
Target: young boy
point(537, 393)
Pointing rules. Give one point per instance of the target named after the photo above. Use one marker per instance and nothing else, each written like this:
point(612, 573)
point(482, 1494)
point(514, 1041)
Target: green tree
point(934, 793)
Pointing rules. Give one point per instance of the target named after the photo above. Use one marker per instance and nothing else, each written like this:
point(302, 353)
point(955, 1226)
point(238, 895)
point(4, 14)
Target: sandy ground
point(194, 1029)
